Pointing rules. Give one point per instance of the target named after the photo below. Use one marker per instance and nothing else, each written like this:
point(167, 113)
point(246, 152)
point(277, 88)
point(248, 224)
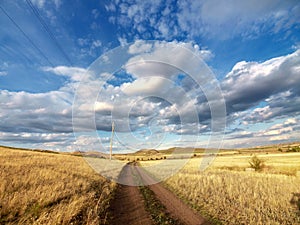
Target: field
point(230, 195)
point(50, 188)
point(47, 188)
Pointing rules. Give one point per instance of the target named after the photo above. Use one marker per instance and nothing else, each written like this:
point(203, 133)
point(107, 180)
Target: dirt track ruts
point(128, 204)
point(174, 206)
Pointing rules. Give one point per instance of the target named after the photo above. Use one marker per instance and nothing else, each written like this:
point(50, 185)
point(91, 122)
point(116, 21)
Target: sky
point(241, 89)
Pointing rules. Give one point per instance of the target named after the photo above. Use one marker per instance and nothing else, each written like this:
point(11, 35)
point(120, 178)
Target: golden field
point(228, 194)
point(47, 188)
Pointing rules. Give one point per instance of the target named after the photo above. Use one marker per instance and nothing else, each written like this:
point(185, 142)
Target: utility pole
point(111, 139)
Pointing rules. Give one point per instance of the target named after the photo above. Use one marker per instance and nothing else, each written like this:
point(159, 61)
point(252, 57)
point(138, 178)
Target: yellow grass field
point(47, 188)
point(231, 195)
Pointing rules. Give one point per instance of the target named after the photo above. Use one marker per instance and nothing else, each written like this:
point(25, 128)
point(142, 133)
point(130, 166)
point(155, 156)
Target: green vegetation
point(256, 163)
point(294, 149)
point(156, 209)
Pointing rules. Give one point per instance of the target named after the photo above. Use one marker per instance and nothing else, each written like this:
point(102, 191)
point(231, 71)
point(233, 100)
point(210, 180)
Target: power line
point(28, 38)
point(48, 30)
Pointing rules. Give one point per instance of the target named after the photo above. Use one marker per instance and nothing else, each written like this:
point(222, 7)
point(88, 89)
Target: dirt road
point(128, 205)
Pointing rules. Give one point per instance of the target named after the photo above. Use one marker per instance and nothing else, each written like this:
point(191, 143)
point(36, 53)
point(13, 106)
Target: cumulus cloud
point(74, 73)
point(262, 93)
point(273, 81)
point(158, 99)
point(103, 107)
point(160, 94)
point(286, 130)
point(279, 131)
point(144, 85)
point(42, 112)
point(35, 138)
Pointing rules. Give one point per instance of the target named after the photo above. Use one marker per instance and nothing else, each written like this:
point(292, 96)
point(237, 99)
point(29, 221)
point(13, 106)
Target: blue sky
point(46, 48)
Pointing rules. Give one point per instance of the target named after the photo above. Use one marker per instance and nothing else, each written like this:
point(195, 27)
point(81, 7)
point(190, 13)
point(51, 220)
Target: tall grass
point(45, 188)
point(234, 196)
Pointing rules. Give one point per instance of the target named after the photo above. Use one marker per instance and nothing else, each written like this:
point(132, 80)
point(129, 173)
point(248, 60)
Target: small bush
point(256, 163)
point(294, 149)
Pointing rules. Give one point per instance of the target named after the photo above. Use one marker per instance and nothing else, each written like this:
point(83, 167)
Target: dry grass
point(279, 163)
point(45, 188)
point(229, 194)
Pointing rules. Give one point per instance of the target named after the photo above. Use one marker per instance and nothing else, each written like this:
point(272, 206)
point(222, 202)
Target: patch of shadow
point(295, 200)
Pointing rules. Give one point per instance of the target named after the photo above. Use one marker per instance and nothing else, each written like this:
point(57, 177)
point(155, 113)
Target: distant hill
point(282, 147)
point(147, 152)
point(181, 150)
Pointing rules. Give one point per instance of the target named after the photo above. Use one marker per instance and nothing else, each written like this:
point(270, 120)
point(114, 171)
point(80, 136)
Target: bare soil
point(174, 206)
point(128, 204)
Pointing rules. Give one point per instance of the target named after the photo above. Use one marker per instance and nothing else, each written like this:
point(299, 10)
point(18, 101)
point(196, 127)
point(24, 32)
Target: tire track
point(128, 207)
point(174, 206)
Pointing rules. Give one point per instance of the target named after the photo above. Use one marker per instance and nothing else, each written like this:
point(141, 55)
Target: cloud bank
point(154, 100)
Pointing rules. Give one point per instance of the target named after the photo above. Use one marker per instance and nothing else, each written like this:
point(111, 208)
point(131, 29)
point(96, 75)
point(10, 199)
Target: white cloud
point(172, 56)
point(95, 13)
point(282, 131)
point(224, 19)
point(96, 44)
point(249, 83)
point(155, 74)
point(90, 46)
point(144, 85)
point(230, 18)
point(3, 69)
point(290, 121)
point(280, 138)
point(133, 106)
point(3, 73)
point(286, 130)
point(41, 3)
point(122, 41)
point(103, 106)
point(75, 73)
point(278, 131)
point(82, 41)
point(262, 93)
point(28, 112)
point(110, 7)
point(139, 46)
